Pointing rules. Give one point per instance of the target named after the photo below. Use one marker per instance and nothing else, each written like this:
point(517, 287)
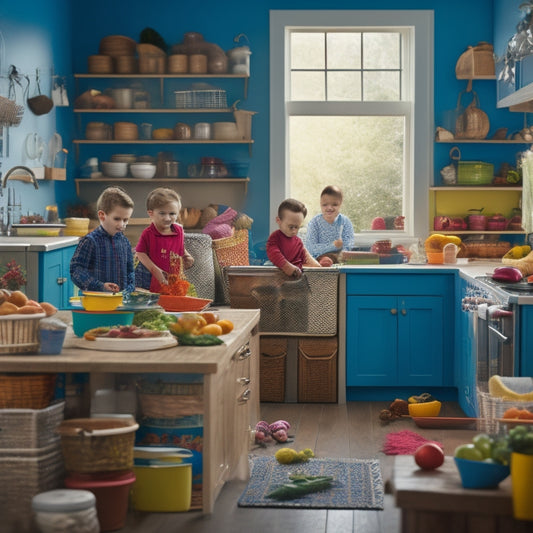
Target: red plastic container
point(111, 490)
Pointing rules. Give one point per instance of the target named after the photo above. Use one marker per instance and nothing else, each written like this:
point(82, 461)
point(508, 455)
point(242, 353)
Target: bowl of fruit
point(482, 463)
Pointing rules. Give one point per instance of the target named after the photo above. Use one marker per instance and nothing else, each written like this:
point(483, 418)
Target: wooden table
point(231, 388)
point(435, 502)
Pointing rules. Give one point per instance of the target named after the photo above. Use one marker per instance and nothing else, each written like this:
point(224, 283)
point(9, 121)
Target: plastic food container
point(83, 321)
point(66, 511)
point(162, 487)
point(111, 490)
point(425, 409)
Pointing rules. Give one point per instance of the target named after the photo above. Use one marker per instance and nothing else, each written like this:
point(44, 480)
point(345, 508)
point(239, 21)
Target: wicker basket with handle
point(472, 122)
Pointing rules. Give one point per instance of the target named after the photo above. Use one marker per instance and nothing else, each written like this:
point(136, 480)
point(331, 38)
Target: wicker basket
point(117, 45)
point(232, 251)
point(474, 173)
point(26, 391)
point(162, 387)
point(171, 405)
point(476, 61)
point(100, 64)
point(125, 131)
point(97, 444)
point(472, 122)
point(484, 249)
point(19, 333)
point(272, 372)
point(30, 428)
point(317, 369)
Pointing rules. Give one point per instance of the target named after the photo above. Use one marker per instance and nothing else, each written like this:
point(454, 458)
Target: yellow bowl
point(425, 409)
point(101, 301)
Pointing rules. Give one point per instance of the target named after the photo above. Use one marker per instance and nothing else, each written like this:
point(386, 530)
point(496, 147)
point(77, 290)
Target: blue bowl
point(83, 321)
point(481, 475)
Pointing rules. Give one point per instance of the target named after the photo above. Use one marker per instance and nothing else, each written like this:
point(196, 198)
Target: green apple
point(468, 451)
point(484, 444)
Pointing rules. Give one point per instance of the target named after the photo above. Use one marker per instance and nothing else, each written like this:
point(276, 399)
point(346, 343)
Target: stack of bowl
point(143, 170)
point(115, 169)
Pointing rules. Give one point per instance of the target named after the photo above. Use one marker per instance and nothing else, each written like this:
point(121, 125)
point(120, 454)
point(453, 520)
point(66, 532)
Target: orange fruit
point(226, 325)
point(211, 329)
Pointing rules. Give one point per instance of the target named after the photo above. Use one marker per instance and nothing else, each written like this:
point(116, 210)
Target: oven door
point(495, 348)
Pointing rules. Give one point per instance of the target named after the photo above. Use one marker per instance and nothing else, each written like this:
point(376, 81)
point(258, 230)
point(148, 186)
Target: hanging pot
point(40, 104)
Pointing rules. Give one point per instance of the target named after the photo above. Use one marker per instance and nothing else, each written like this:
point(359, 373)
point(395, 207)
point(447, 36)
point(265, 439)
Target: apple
point(484, 444)
point(468, 451)
point(429, 456)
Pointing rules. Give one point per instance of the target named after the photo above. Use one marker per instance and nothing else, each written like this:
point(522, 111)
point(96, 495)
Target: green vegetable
point(521, 440)
point(153, 319)
point(199, 340)
point(300, 485)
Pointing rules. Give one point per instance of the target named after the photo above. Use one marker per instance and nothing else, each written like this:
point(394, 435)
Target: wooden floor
point(351, 430)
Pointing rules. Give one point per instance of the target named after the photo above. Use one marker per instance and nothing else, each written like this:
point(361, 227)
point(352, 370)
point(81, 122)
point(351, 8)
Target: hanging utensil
point(58, 143)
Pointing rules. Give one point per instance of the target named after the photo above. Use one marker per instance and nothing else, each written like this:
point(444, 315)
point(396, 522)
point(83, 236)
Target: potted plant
point(12, 276)
point(520, 442)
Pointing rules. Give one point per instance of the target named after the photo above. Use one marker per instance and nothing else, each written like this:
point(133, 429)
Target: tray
point(38, 230)
point(515, 421)
point(445, 422)
point(126, 345)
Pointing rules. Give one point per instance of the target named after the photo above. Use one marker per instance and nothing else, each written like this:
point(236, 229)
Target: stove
point(519, 288)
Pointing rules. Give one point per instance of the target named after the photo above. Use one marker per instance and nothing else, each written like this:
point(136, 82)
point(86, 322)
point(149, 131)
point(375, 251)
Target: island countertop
point(181, 359)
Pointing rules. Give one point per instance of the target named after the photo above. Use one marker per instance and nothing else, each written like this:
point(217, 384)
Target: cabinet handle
point(60, 281)
point(243, 381)
point(394, 311)
point(404, 312)
point(245, 396)
point(243, 353)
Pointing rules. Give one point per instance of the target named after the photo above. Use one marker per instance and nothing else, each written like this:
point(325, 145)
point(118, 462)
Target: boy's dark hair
point(332, 190)
point(162, 196)
point(113, 197)
point(290, 204)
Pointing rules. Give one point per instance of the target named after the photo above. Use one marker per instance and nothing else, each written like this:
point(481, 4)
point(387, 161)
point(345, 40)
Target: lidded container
point(239, 57)
point(66, 511)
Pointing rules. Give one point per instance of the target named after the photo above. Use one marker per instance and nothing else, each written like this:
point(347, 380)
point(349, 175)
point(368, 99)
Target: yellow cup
point(521, 476)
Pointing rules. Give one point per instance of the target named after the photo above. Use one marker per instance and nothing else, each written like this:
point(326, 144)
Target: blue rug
point(358, 484)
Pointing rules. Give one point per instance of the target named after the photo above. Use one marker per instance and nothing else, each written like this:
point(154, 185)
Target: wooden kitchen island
point(231, 388)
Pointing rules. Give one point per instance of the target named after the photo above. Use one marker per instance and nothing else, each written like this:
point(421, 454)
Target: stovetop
point(519, 287)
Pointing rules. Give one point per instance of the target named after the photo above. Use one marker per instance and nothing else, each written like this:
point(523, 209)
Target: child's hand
point(337, 243)
point(292, 271)
point(188, 261)
point(111, 287)
point(161, 276)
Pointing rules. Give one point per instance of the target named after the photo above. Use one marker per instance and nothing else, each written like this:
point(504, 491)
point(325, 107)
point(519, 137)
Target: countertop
point(35, 244)
point(178, 359)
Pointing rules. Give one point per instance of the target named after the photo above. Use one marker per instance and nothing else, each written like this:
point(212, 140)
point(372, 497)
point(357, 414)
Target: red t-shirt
point(281, 249)
point(158, 247)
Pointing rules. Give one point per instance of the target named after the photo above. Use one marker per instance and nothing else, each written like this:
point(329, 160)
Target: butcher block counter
point(231, 388)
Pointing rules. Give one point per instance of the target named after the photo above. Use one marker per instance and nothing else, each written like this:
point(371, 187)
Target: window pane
point(344, 86)
point(307, 51)
point(381, 86)
point(364, 156)
point(344, 50)
point(308, 86)
point(381, 50)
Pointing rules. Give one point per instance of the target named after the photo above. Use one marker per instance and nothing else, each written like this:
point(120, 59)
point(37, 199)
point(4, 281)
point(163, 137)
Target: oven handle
point(502, 337)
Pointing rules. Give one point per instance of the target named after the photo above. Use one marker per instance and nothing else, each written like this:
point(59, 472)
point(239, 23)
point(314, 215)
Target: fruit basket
point(19, 334)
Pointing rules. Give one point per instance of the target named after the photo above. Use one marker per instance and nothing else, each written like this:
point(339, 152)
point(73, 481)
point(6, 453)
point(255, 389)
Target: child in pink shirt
point(163, 237)
point(284, 248)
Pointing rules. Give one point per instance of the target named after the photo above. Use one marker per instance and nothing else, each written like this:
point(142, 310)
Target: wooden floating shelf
point(157, 110)
point(164, 76)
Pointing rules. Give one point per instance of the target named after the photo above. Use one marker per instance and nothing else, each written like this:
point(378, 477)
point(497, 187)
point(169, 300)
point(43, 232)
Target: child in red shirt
point(163, 237)
point(284, 248)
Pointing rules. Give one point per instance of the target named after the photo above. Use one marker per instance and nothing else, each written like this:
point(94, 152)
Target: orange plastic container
point(435, 258)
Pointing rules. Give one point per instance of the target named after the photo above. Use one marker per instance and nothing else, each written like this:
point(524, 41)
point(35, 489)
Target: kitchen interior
point(327, 355)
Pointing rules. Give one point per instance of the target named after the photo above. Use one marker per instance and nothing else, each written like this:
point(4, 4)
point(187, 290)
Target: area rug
point(404, 442)
point(358, 484)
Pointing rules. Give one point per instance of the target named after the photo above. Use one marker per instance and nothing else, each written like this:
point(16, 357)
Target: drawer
point(399, 284)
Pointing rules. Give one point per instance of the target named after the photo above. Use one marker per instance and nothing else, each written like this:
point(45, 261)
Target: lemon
point(286, 456)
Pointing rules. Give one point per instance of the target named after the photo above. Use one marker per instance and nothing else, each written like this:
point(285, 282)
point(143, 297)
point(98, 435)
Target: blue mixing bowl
point(481, 475)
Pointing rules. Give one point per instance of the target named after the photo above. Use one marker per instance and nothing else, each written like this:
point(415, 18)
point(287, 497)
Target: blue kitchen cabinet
point(526, 341)
point(399, 332)
point(55, 285)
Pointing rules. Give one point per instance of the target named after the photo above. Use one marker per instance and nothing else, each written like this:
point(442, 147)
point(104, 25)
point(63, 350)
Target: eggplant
point(507, 274)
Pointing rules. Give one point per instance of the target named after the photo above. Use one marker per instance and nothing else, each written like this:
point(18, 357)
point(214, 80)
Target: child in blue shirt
point(329, 232)
point(103, 260)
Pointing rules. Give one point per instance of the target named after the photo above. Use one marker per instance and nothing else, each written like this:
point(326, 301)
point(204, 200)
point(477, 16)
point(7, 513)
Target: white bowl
point(115, 169)
point(142, 170)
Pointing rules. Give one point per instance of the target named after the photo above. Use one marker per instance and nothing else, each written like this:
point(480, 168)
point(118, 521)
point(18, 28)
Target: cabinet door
point(420, 346)
point(526, 343)
point(371, 340)
point(55, 285)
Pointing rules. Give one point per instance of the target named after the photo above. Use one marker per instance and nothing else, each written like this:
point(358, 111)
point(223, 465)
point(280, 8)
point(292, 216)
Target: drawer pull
point(245, 396)
point(243, 381)
point(243, 353)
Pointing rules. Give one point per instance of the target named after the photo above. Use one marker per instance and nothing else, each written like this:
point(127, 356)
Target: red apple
point(429, 456)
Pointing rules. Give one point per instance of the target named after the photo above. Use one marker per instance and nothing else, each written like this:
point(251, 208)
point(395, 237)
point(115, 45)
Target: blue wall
point(457, 25)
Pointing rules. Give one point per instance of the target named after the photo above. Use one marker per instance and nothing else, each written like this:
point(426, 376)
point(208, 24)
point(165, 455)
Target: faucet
point(28, 179)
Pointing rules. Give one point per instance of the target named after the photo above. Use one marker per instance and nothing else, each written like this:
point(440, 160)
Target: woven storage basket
point(201, 99)
point(485, 249)
point(162, 387)
point(125, 64)
point(472, 122)
point(97, 444)
point(25, 473)
point(30, 428)
point(317, 369)
point(100, 64)
point(474, 173)
point(272, 371)
point(117, 45)
point(171, 405)
point(476, 61)
point(26, 391)
point(125, 131)
point(19, 333)
point(232, 251)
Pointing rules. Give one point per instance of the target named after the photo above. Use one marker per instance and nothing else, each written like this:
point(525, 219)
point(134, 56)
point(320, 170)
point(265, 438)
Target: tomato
point(429, 456)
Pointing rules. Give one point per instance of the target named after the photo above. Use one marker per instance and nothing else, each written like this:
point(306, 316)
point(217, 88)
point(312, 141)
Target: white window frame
point(419, 153)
